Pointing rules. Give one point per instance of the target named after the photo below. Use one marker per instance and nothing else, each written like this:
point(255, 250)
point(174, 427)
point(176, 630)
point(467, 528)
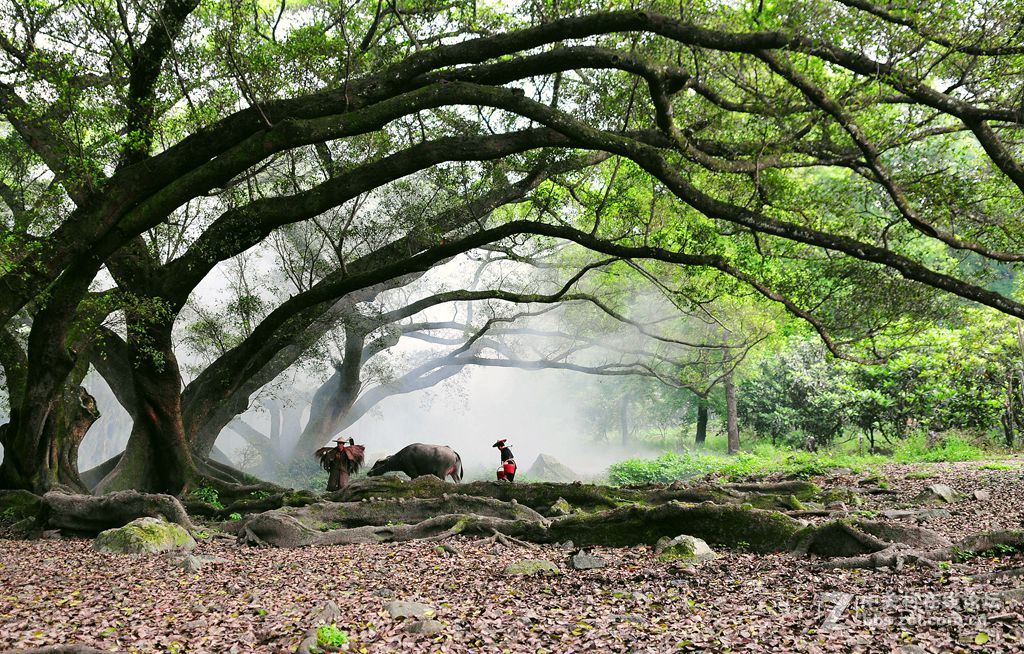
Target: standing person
point(507, 471)
point(340, 461)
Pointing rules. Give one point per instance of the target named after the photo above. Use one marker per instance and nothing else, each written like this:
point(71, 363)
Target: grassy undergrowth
point(763, 458)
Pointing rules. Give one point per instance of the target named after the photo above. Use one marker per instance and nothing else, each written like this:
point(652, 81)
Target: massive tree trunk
point(35, 439)
point(158, 456)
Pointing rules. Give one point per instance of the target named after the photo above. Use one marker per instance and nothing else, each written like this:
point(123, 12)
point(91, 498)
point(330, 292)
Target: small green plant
point(235, 516)
point(922, 474)
point(1002, 549)
point(209, 495)
point(962, 555)
point(328, 635)
point(260, 494)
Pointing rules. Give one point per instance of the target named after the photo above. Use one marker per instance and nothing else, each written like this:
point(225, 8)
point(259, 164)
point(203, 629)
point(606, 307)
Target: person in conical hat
point(507, 470)
point(340, 461)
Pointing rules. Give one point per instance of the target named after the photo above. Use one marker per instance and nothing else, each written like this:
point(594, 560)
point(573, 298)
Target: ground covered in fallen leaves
point(264, 600)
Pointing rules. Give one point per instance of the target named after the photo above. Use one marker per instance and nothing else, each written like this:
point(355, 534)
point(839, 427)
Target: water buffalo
point(421, 459)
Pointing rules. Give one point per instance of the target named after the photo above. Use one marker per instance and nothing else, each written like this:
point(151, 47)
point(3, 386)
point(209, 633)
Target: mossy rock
point(17, 505)
point(684, 548)
point(144, 536)
point(531, 567)
point(560, 508)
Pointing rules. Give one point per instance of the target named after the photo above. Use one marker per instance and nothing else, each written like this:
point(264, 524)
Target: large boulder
point(548, 468)
point(145, 536)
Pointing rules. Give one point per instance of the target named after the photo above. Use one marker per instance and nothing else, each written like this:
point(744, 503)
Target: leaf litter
point(264, 600)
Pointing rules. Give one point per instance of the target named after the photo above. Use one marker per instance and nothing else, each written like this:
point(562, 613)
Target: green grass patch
point(998, 466)
point(762, 458)
point(915, 449)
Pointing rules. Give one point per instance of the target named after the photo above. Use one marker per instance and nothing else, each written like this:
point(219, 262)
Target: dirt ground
point(263, 600)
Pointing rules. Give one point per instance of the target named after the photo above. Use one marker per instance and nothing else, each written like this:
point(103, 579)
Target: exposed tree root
point(893, 546)
point(499, 538)
point(998, 574)
point(87, 514)
point(632, 525)
point(585, 497)
point(282, 530)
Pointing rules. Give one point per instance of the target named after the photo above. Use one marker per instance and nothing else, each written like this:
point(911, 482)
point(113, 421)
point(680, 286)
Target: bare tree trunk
point(702, 422)
point(732, 419)
point(335, 398)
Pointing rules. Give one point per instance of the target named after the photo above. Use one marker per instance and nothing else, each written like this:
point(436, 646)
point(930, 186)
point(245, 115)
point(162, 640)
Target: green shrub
point(328, 635)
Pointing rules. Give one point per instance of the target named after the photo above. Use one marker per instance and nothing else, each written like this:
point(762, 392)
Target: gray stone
point(196, 563)
point(145, 536)
point(896, 514)
point(426, 627)
point(402, 609)
point(531, 567)
point(583, 561)
point(937, 493)
point(684, 548)
point(927, 515)
point(982, 495)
